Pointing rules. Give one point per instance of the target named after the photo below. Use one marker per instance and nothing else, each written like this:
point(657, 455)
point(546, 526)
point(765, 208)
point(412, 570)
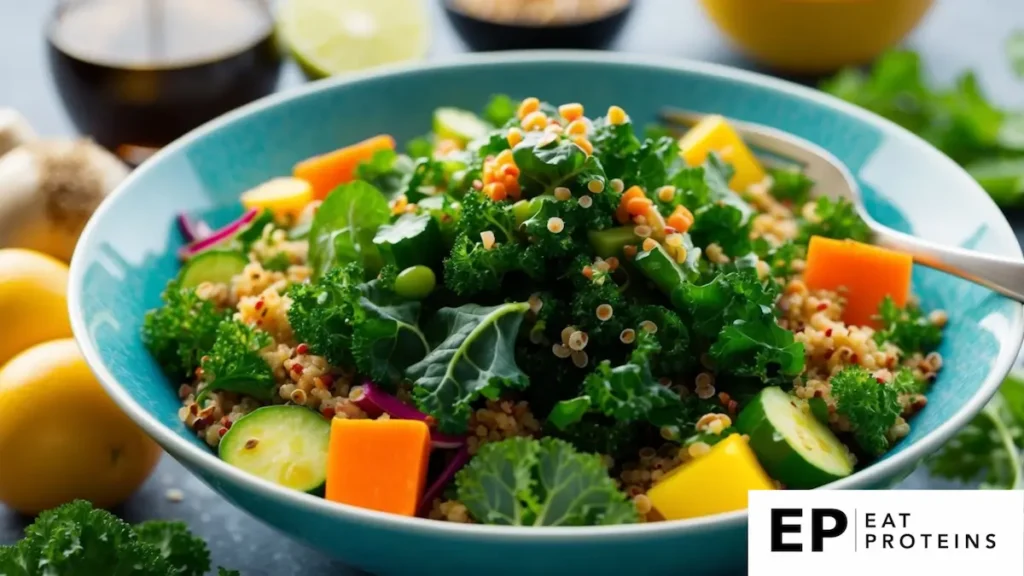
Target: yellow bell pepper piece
point(283, 196)
point(713, 134)
point(713, 483)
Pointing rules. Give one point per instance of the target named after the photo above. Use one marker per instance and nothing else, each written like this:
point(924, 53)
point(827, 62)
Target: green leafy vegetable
point(77, 540)
point(989, 446)
point(907, 328)
point(524, 482)
point(344, 227)
point(568, 412)
point(351, 322)
point(473, 355)
point(180, 332)
point(500, 109)
point(630, 392)
point(412, 239)
point(871, 406)
point(760, 349)
point(958, 120)
point(235, 365)
point(834, 219)
point(791, 185)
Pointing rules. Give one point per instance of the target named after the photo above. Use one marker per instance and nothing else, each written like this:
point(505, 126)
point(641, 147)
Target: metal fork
point(1000, 274)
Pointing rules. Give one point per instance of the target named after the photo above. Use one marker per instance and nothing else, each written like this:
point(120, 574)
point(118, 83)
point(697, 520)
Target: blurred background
point(133, 75)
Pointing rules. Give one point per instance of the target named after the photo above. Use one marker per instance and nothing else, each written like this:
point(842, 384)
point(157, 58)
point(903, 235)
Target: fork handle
point(997, 273)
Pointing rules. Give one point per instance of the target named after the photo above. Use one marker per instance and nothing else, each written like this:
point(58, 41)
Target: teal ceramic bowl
point(127, 254)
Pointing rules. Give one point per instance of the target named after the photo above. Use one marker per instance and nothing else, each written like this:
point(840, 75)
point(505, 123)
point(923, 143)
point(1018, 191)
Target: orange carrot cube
point(378, 464)
point(868, 274)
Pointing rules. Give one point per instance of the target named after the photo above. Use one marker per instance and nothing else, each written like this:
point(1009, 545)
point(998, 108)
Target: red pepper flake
point(222, 431)
point(880, 381)
point(199, 372)
point(328, 412)
point(431, 421)
point(259, 304)
point(828, 333)
point(297, 368)
point(302, 348)
point(853, 358)
point(327, 379)
point(823, 306)
point(828, 353)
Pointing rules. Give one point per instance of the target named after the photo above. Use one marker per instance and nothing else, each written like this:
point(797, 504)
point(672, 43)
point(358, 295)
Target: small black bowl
point(487, 36)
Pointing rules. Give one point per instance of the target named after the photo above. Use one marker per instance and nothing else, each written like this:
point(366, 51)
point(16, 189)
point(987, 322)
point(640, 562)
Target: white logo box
point(899, 532)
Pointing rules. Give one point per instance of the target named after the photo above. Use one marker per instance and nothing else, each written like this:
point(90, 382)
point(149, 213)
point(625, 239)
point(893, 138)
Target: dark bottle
point(140, 73)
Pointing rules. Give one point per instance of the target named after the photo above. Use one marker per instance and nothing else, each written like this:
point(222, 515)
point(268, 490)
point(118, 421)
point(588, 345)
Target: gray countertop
point(956, 34)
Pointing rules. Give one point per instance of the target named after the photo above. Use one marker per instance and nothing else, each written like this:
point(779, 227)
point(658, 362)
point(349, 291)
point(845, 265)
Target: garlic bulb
point(14, 130)
point(49, 189)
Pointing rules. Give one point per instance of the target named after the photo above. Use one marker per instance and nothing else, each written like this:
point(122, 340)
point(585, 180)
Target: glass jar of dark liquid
point(139, 73)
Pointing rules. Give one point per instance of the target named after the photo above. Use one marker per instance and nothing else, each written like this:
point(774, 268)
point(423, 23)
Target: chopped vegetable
point(328, 171)
point(794, 447)
point(714, 483)
point(868, 274)
point(376, 402)
point(713, 134)
point(834, 219)
point(349, 321)
point(412, 240)
point(472, 356)
point(872, 407)
point(525, 482)
point(284, 197)
point(344, 228)
point(286, 445)
point(180, 332)
point(216, 266)
point(75, 539)
point(459, 125)
point(234, 363)
point(378, 464)
point(219, 237)
point(907, 328)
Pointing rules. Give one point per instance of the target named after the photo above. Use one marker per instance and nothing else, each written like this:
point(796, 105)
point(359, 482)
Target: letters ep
point(819, 533)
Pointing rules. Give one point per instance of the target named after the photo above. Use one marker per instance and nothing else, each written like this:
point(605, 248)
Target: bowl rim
point(192, 455)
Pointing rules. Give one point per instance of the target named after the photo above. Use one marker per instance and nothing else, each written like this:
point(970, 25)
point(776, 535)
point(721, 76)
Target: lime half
point(330, 37)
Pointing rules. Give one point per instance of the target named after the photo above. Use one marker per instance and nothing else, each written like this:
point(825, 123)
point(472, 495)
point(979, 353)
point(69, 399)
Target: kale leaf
point(526, 482)
point(473, 356)
point(182, 331)
point(907, 328)
point(234, 363)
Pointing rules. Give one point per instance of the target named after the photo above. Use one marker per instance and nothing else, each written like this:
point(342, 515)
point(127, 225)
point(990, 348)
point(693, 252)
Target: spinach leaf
point(526, 482)
point(473, 355)
point(410, 240)
point(344, 227)
point(568, 412)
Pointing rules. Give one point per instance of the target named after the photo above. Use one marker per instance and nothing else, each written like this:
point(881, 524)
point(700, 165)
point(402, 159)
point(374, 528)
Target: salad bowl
point(129, 251)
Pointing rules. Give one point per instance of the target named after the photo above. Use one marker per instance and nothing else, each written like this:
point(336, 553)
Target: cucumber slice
point(661, 269)
point(459, 125)
point(792, 446)
point(286, 445)
point(610, 242)
point(217, 266)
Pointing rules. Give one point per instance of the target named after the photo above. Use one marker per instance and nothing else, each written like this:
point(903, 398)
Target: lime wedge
point(330, 37)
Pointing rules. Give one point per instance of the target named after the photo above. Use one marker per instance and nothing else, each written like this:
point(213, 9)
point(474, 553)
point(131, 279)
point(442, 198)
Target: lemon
point(33, 303)
point(330, 37)
point(62, 437)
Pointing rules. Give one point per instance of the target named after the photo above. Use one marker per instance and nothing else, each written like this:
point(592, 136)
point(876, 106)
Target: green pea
point(416, 282)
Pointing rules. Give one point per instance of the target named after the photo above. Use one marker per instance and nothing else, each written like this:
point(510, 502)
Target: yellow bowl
point(815, 36)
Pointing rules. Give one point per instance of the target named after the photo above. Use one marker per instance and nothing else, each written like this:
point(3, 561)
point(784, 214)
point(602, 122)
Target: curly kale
point(362, 323)
point(180, 332)
point(907, 328)
point(77, 540)
point(526, 482)
point(599, 434)
point(790, 185)
point(833, 219)
point(234, 363)
point(871, 406)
